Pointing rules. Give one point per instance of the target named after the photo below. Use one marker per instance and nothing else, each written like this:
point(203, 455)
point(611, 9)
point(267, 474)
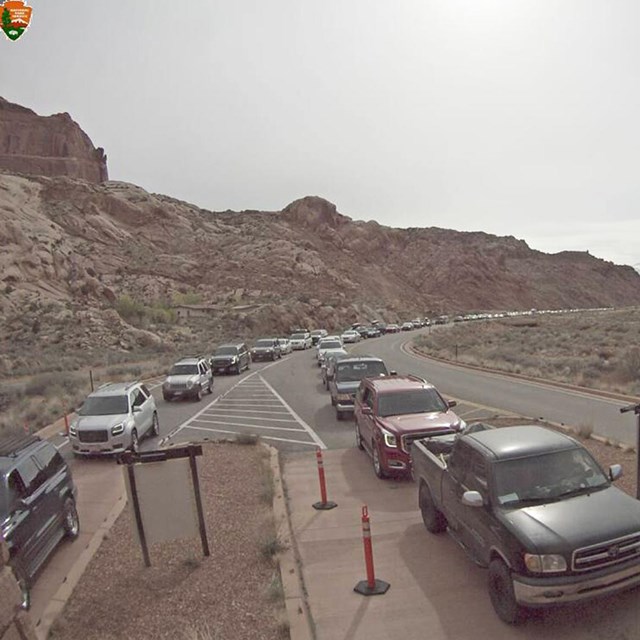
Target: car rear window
point(264, 343)
point(398, 403)
point(104, 406)
point(226, 351)
point(331, 344)
point(354, 371)
point(298, 336)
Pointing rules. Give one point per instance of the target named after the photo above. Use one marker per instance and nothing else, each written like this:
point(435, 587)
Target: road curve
point(524, 397)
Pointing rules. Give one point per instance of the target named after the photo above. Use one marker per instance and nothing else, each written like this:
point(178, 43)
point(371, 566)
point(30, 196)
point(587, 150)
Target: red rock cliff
point(47, 146)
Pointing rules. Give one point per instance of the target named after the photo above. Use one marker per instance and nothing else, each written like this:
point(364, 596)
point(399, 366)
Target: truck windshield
point(410, 401)
point(547, 477)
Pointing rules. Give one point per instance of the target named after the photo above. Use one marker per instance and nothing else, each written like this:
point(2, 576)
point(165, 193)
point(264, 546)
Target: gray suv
point(114, 418)
point(188, 378)
point(231, 358)
point(346, 378)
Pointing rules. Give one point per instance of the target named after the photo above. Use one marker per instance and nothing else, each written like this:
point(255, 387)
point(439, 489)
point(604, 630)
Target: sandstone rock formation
point(48, 146)
point(86, 267)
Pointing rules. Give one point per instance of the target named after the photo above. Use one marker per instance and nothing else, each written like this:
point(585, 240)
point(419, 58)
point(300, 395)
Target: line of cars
point(390, 411)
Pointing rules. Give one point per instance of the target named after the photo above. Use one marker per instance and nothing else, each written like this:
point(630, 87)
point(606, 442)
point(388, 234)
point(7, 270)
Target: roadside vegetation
point(599, 349)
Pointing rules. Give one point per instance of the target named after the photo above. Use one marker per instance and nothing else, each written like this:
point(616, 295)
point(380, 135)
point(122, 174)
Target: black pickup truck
point(533, 506)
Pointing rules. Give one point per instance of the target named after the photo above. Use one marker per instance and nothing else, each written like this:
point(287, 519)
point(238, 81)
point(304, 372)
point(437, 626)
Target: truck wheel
point(502, 594)
point(434, 520)
point(25, 587)
point(377, 465)
point(70, 520)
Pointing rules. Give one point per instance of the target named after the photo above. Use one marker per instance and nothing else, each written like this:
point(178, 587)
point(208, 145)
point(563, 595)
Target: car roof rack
point(10, 446)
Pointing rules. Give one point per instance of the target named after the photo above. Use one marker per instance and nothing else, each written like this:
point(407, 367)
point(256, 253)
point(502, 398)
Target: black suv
point(231, 358)
point(37, 505)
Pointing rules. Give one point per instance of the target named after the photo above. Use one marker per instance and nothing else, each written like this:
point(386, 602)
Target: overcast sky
point(514, 117)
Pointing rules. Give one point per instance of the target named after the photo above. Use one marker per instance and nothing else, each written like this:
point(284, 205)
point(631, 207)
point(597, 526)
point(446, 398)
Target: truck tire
point(501, 592)
point(434, 520)
point(377, 463)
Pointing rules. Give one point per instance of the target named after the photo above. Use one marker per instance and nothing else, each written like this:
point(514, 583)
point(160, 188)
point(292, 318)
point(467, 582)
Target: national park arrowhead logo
point(16, 16)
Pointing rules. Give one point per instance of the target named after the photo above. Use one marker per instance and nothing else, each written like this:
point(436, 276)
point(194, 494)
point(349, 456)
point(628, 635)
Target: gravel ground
point(234, 594)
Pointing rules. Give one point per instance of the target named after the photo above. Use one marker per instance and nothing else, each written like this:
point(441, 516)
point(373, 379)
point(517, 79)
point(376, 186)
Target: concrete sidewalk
point(436, 592)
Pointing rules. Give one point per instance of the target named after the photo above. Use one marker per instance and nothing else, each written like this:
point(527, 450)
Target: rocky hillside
point(50, 146)
point(98, 266)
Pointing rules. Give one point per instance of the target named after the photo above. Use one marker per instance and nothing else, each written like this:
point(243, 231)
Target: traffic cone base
point(379, 587)
point(324, 506)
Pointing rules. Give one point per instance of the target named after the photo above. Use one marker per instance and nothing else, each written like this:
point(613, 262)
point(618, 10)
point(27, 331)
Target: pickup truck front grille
point(95, 435)
point(406, 440)
point(606, 553)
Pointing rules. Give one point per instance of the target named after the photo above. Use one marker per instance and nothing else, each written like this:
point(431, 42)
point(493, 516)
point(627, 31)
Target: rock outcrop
point(97, 266)
point(47, 146)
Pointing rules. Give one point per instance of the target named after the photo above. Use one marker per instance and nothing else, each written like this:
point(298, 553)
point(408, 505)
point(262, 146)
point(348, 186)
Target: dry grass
point(600, 349)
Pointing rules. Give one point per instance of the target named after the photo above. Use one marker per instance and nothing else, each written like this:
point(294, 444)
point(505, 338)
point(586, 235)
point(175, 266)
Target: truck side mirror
point(366, 411)
point(615, 471)
point(472, 499)
point(452, 403)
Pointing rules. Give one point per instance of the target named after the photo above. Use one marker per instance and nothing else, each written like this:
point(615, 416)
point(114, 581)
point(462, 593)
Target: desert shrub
point(42, 384)
point(189, 297)
point(129, 309)
point(629, 365)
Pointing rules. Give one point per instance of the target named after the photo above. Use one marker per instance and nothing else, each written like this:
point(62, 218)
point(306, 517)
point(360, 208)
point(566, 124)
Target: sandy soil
point(234, 594)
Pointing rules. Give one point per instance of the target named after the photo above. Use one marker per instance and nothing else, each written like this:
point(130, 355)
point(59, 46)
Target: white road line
point(316, 438)
point(222, 415)
point(59, 446)
point(251, 426)
point(281, 413)
point(180, 427)
point(244, 400)
point(235, 433)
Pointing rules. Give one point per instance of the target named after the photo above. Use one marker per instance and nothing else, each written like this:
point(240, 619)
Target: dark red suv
point(392, 412)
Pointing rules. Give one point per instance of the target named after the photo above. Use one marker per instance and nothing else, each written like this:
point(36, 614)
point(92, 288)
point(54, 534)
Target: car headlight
point(73, 429)
point(190, 383)
point(234, 358)
point(166, 384)
point(546, 563)
point(389, 439)
point(117, 429)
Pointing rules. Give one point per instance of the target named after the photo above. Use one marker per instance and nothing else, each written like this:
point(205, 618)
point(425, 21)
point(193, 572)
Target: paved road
point(521, 397)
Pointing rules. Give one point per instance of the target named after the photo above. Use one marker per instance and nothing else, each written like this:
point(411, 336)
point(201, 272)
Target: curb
point(295, 597)
point(62, 595)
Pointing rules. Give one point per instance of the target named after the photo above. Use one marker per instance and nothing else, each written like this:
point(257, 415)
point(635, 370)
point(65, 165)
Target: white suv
point(114, 418)
point(188, 378)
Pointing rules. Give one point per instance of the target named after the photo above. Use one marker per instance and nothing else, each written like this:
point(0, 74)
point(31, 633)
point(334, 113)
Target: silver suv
point(188, 378)
point(114, 418)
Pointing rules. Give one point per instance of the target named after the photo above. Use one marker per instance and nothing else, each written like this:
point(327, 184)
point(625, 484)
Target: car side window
point(458, 462)
point(476, 474)
point(367, 398)
point(50, 460)
point(30, 475)
point(137, 398)
point(17, 490)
